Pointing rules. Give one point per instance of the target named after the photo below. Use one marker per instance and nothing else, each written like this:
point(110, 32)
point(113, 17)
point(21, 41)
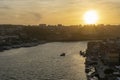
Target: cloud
point(37, 10)
point(5, 7)
point(35, 15)
point(28, 16)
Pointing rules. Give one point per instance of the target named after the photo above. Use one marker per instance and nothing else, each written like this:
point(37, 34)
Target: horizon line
point(58, 24)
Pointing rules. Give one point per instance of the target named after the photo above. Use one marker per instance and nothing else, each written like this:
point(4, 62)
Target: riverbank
point(29, 44)
point(102, 60)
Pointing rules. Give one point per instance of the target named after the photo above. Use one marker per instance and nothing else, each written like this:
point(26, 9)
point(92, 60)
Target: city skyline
point(67, 12)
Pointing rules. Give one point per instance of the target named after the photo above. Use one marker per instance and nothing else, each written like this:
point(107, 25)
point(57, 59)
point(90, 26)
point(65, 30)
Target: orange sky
point(66, 12)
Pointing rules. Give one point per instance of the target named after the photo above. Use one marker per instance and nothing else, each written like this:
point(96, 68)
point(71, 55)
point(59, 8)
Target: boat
point(87, 70)
point(82, 53)
point(63, 54)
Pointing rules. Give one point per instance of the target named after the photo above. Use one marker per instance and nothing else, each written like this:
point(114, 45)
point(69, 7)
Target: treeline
point(61, 33)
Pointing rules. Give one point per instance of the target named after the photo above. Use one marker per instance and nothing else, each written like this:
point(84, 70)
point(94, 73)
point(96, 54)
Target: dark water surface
point(43, 62)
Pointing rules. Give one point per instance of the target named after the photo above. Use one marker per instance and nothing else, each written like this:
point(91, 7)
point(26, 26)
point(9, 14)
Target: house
point(110, 54)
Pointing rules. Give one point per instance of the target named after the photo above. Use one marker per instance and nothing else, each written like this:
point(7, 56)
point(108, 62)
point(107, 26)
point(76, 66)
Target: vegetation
point(62, 33)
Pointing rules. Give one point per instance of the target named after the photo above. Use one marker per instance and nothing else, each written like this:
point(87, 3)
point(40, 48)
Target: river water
point(43, 62)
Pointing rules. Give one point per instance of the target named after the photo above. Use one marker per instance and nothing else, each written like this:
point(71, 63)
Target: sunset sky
point(66, 12)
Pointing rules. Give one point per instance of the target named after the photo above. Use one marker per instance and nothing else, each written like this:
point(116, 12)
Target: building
point(42, 25)
point(93, 48)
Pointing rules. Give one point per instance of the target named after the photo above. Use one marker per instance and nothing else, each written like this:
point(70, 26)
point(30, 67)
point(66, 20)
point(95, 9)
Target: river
point(43, 62)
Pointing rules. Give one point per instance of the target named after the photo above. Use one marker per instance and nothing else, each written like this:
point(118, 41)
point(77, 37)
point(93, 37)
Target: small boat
point(63, 54)
point(81, 53)
point(87, 70)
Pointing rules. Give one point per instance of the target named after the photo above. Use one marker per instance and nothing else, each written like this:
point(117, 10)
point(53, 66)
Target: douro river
point(43, 62)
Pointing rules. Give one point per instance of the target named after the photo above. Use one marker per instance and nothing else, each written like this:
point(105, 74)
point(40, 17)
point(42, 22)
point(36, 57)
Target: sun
point(91, 17)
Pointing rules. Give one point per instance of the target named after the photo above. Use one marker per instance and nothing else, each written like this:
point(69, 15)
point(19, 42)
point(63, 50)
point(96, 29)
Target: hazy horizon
point(67, 12)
